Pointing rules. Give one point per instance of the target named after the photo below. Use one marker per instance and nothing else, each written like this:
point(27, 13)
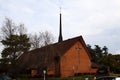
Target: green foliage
point(98, 53)
point(114, 63)
point(3, 65)
point(15, 45)
point(104, 59)
point(15, 42)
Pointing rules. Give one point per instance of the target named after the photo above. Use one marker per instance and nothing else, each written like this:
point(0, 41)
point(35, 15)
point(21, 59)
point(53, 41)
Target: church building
point(63, 59)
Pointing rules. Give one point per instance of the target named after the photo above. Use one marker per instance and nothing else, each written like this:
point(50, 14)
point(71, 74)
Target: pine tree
point(15, 43)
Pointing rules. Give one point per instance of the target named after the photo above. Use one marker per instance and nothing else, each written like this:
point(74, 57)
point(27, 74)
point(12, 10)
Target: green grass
point(69, 78)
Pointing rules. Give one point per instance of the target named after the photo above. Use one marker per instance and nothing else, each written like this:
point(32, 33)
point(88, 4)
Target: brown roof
point(42, 57)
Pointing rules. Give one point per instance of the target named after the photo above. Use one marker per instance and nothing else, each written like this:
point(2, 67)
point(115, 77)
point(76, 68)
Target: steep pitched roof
point(44, 56)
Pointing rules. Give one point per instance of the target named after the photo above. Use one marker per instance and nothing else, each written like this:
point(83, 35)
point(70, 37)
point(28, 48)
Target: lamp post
point(44, 72)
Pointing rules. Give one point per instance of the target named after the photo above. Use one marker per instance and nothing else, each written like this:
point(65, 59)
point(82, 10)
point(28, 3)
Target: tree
point(41, 39)
point(15, 42)
point(35, 41)
point(113, 61)
point(92, 52)
point(47, 38)
point(105, 50)
point(98, 54)
point(8, 28)
point(104, 59)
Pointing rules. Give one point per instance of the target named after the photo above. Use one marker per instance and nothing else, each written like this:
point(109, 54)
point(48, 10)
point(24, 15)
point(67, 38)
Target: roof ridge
point(74, 38)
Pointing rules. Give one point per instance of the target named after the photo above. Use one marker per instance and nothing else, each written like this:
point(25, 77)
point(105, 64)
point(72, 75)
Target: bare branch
point(41, 39)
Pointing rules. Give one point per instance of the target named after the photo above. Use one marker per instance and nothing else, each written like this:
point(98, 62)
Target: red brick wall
point(75, 62)
point(72, 62)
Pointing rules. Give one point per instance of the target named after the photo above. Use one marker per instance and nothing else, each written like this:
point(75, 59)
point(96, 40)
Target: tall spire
point(60, 30)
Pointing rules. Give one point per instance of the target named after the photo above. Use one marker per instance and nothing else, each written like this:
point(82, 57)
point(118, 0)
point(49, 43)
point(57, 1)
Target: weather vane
point(60, 9)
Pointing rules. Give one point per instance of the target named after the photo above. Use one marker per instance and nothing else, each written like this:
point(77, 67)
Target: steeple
point(60, 29)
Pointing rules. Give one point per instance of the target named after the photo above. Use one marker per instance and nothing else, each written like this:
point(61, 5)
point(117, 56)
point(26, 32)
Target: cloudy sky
point(98, 21)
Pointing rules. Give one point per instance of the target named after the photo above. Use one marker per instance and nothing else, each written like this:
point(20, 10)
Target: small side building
point(62, 59)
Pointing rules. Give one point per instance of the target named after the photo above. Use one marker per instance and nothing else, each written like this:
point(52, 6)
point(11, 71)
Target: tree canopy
point(103, 58)
point(14, 40)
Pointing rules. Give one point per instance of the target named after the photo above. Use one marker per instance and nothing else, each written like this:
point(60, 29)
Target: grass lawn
point(69, 78)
